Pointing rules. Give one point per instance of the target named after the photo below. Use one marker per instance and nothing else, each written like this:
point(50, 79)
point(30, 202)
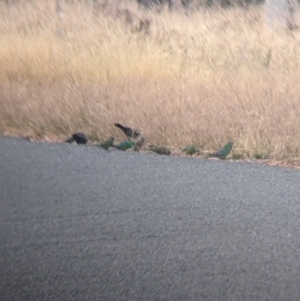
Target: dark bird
point(129, 132)
point(79, 138)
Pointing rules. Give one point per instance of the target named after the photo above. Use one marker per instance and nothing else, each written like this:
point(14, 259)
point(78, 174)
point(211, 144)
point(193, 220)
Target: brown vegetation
point(202, 79)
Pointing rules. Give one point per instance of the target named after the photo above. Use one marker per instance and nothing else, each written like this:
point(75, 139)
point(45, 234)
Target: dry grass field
point(201, 79)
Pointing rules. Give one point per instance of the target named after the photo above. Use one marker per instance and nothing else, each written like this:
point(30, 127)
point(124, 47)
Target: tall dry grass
point(201, 79)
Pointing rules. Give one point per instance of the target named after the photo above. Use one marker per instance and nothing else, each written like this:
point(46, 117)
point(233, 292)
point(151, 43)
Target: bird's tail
point(120, 126)
point(70, 140)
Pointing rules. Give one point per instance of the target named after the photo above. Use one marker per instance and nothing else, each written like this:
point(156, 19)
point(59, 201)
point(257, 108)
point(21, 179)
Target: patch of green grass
point(260, 156)
point(237, 155)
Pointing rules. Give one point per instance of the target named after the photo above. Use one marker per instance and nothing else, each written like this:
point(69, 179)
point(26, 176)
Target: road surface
point(81, 223)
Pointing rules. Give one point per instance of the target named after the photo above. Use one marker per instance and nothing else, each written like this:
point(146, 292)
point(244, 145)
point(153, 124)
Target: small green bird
point(125, 145)
point(161, 150)
point(223, 152)
point(139, 144)
point(108, 143)
point(190, 150)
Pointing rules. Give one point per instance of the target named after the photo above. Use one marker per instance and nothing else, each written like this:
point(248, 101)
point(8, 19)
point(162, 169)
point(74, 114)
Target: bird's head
point(230, 144)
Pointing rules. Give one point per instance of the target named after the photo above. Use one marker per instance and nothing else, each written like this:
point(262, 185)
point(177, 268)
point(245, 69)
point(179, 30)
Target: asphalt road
point(80, 223)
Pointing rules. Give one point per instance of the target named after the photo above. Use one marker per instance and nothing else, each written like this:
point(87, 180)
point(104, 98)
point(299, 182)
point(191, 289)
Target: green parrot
point(190, 150)
point(139, 144)
point(107, 144)
point(161, 150)
point(223, 152)
point(125, 145)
